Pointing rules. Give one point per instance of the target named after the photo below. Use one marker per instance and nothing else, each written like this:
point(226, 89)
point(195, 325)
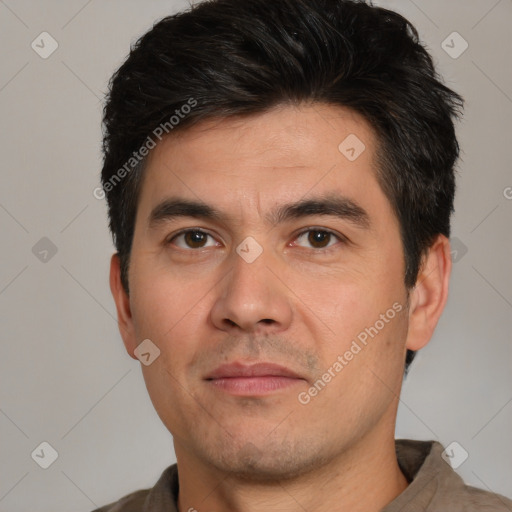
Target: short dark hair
point(235, 58)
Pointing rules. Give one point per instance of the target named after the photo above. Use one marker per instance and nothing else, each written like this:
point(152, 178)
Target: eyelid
point(342, 238)
point(168, 240)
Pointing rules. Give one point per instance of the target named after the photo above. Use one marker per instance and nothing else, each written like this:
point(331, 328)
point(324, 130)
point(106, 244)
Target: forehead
point(254, 162)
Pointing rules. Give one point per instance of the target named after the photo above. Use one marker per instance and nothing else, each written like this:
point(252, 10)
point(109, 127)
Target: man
point(280, 179)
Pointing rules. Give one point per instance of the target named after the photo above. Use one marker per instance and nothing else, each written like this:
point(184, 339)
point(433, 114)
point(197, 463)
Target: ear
point(124, 314)
point(428, 297)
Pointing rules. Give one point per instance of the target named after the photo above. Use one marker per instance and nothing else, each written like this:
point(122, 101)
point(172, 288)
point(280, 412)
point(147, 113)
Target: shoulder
point(435, 486)
point(479, 500)
point(131, 503)
point(162, 497)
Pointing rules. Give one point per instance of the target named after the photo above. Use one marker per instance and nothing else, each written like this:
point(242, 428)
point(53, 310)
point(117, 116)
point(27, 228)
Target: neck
point(364, 478)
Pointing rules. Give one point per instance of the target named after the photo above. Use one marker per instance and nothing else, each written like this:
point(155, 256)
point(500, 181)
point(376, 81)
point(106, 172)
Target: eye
point(317, 238)
point(193, 239)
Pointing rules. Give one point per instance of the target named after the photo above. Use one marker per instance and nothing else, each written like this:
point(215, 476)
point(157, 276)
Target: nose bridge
point(249, 278)
point(251, 297)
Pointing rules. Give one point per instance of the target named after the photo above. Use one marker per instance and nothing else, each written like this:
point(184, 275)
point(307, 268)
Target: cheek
point(368, 362)
point(172, 320)
point(165, 306)
point(345, 303)
point(364, 316)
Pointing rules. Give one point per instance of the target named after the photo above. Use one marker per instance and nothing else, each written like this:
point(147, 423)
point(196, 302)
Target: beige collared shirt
point(433, 487)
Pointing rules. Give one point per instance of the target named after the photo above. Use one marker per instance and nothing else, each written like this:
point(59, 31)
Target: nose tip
point(250, 326)
point(251, 300)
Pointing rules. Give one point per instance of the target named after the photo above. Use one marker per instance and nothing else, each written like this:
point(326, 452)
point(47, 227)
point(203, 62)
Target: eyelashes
point(192, 239)
point(315, 238)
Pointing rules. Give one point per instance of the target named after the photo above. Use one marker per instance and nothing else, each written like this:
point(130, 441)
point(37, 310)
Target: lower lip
point(244, 386)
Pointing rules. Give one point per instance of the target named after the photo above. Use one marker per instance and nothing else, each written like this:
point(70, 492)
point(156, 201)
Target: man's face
point(319, 281)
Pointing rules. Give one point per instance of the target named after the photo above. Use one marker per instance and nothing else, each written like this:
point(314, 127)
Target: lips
point(239, 370)
point(258, 379)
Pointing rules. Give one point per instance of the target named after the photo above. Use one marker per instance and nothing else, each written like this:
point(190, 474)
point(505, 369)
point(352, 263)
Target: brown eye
point(193, 239)
point(317, 238)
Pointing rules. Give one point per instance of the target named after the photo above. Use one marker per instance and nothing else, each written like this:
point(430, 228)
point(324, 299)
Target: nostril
point(267, 321)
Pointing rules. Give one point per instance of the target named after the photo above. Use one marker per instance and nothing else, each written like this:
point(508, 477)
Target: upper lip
point(239, 369)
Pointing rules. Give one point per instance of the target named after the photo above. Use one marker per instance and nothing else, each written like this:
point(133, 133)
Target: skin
point(298, 304)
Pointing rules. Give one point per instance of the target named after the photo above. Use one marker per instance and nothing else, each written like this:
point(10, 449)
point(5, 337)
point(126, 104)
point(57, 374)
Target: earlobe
point(428, 297)
point(122, 300)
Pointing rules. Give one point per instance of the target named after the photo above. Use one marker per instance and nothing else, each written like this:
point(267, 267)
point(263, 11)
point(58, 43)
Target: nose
point(252, 299)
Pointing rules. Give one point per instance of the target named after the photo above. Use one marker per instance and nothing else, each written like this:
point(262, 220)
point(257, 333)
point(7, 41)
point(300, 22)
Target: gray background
point(65, 378)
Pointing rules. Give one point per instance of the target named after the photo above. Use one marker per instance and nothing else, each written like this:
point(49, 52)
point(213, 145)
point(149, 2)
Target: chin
point(268, 462)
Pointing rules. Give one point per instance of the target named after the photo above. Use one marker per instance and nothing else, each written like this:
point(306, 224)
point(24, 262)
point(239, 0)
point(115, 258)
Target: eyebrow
point(170, 209)
point(331, 205)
